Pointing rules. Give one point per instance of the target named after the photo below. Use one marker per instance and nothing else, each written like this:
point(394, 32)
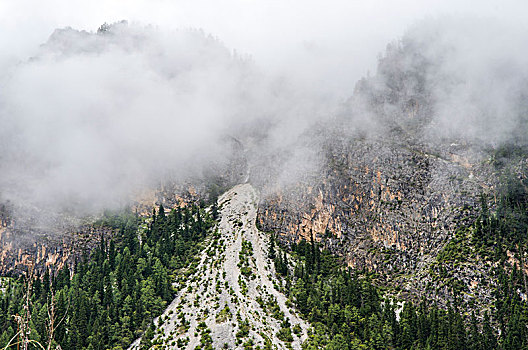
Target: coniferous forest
point(109, 298)
point(263, 175)
point(348, 311)
point(111, 295)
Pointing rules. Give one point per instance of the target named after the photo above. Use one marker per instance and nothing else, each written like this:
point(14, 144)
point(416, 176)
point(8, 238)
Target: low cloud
point(462, 77)
point(93, 117)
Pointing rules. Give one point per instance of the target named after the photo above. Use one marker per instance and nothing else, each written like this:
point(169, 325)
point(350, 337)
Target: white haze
point(330, 44)
point(87, 119)
point(95, 116)
point(469, 73)
point(479, 78)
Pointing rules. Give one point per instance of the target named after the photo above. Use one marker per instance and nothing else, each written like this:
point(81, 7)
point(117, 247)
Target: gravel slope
point(232, 298)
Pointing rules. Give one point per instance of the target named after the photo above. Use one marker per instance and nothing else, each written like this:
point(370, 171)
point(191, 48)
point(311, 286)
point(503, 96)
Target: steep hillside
point(395, 183)
point(386, 206)
point(400, 221)
point(232, 300)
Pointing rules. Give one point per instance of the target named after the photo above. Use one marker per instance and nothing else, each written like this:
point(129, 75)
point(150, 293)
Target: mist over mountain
point(95, 117)
point(253, 185)
point(465, 78)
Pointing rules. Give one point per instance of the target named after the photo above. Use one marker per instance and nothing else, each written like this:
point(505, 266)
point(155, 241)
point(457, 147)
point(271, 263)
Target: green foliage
point(285, 333)
point(497, 235)
point(347, 312)
point(457, 250)
point(116, 291)
point(505, 227)
point(245, 254)
point(243, 329)
point(223, 315)
point(500, 234)
point(506, 153)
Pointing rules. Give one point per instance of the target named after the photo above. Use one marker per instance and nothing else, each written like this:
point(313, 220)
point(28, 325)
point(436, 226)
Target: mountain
point(398, 190)
point(399, 222)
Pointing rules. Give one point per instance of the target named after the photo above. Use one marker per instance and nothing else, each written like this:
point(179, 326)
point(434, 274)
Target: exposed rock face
point(20, 248)
point(25, 240)
point(381, 205)
point(391, 191)
point(388, 195)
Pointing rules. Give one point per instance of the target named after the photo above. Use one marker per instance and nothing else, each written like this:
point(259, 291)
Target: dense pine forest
point(348, 311)
point(109, 298)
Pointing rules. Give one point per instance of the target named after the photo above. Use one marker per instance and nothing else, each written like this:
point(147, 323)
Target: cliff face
point(391, 193)
point(21, 248)
point(391, 190)
point(386, 206)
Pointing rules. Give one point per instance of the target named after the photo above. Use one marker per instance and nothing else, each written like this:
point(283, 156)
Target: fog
point(465, 78)
point(478, 79)
point(332, 44)
point(89, 118)
point(95, 116)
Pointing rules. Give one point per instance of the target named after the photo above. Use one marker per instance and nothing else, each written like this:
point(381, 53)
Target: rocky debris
point(231, 299)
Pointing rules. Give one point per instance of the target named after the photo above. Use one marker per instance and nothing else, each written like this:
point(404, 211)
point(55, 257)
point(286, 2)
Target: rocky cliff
point(393, 186)
point(390, 189)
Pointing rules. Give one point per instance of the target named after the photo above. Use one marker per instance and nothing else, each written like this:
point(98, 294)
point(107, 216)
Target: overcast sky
point(340, 39)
